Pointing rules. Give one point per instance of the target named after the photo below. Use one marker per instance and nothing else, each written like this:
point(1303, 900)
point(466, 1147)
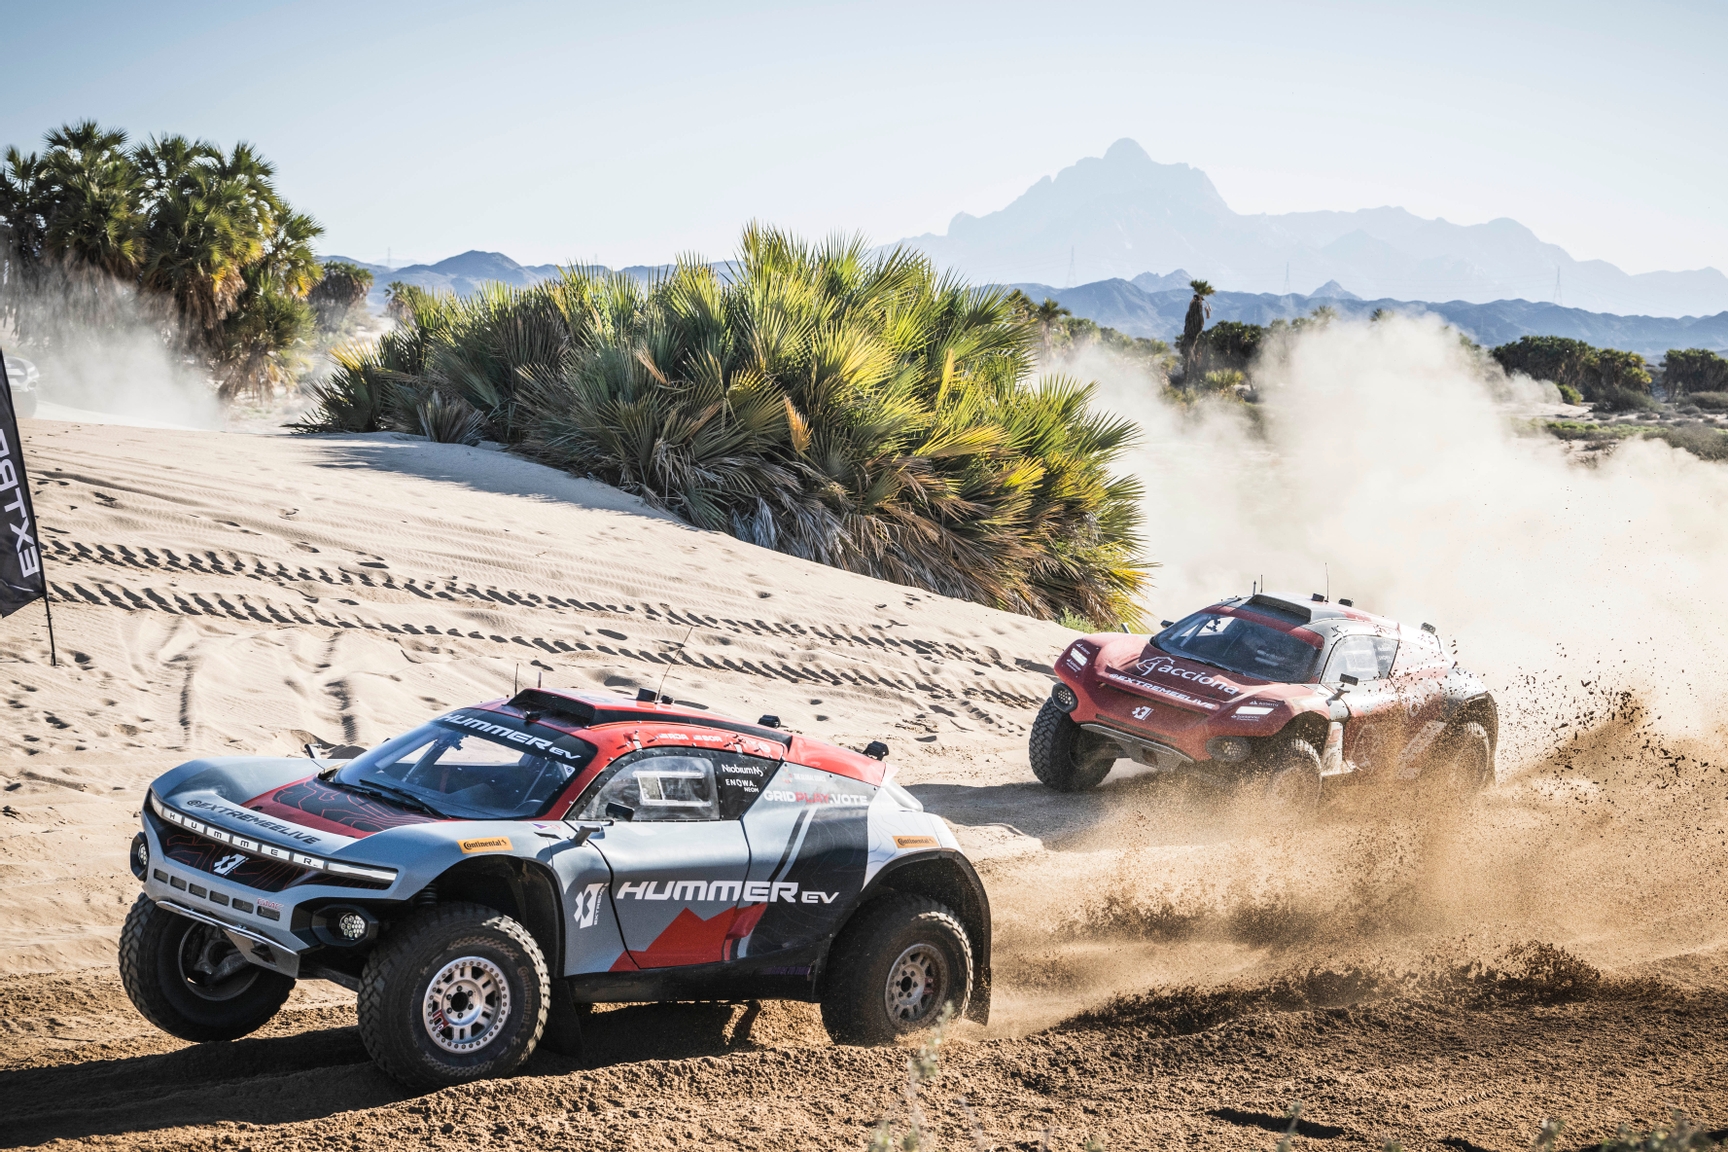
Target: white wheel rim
point(466, 1004)
point(914, 982)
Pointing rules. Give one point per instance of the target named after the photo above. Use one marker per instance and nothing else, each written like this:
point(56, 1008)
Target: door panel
point(676, 887)
point(591, 939)
point(809, 845)
point(1374, 731)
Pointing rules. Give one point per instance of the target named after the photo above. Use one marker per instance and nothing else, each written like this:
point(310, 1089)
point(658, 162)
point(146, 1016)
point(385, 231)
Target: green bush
point(1704, 443)
point(1710, 401)
point(1694, 370)
point(859, 410)
point(1609, 378)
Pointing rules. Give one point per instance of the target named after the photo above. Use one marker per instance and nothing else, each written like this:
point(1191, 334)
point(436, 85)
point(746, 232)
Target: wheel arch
point(524, 890)
point(947, 877)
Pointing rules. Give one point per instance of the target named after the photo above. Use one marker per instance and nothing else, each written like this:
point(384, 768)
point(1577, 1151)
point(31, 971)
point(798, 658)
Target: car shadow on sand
point(310, 1075)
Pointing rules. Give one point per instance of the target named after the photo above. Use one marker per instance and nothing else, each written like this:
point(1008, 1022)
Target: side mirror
point(1346, 678)
point(617, 811)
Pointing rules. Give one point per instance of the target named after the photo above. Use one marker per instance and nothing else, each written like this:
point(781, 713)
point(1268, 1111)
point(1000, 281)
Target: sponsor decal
point(1141, 712)
point(728, 891)
point(484, 844)
point(1159, 690)
point(741, 769)
point(1164, 666)
point(227, 864)
point(245, 816)
point(1076, 658)
point(588, 902)
point(539, 744)
point(917, 842)
point(788, 797)
point(21, 579)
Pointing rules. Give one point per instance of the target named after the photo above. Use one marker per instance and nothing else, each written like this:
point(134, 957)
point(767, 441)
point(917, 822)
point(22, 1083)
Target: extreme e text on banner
point(21, 579)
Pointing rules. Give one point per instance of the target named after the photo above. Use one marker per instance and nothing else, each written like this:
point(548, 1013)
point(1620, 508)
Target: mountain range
point(1123, 214)
point(1154, 305)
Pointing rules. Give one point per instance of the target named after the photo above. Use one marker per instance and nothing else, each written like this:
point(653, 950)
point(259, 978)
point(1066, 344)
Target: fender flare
point(964, 893)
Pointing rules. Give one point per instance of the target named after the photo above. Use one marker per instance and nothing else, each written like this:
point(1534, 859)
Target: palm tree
point(1199, 311)
point(1048, 314)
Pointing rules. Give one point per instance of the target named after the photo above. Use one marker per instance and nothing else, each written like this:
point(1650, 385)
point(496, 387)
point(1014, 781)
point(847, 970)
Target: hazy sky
point(631, 132)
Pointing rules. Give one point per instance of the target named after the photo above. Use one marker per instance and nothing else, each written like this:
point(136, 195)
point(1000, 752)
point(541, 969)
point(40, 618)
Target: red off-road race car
point(1276, 692)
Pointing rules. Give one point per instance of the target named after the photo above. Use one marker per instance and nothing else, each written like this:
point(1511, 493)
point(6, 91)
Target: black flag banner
point(21, 579)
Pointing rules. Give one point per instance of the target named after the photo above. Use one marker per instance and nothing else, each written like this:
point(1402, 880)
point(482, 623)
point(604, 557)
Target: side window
point(658, 784)
point(1385, 652)
point(1355, 656)
point(742, 779)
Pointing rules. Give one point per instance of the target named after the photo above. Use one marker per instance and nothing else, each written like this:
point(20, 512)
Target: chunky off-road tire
point(565, 1019)
point(1465, 764)
point(1064, 755)
point(190, 981)
point(1292, 775)
point(455, 992)
point(893, 968)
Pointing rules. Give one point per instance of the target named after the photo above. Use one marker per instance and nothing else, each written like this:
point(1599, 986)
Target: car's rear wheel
point(454, 993)
point(900, 960)
point(1292, 776)
point(1465, 765)
point(1064, 755)
point(189, 980)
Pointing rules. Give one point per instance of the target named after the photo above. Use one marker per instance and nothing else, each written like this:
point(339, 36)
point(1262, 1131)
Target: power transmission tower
point(1070, 283)
point(1557, 297)
point(1286, 277)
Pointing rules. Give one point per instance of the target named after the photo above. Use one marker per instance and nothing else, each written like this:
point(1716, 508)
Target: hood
point(280, 800)
point(1188, 684)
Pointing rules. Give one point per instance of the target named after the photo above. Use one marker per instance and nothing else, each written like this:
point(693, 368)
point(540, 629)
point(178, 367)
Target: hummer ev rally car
point(1273, 691)
point(484, 878)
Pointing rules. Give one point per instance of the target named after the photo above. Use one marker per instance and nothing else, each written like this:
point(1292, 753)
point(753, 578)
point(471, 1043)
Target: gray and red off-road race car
point(1276, 691)
point(484, 879)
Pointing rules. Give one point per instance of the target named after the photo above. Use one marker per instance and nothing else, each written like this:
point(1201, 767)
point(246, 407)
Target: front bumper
point(272, 929)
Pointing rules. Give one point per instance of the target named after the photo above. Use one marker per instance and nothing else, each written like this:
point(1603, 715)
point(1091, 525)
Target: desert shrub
point(859, 410)
point(1710, 401)
point(1612, 380)
point(1694, 370)
point(1704, 443)
point(1229, 345)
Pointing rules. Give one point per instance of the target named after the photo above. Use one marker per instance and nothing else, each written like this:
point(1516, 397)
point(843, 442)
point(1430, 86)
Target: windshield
point(473, 765)
point(1238, 645)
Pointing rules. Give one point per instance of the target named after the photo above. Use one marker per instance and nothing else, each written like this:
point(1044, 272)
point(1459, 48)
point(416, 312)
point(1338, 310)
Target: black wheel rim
point(210, 967)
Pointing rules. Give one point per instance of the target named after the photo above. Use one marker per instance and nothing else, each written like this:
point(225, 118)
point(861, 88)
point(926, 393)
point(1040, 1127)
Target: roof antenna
point(516, 680)
point(679, 647)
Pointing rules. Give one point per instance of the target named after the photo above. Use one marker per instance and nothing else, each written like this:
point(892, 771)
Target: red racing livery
point(1292, 695)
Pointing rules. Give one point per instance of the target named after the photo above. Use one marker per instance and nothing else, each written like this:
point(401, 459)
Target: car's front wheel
point(1465, 765)
point(1064, 755)
point(456, 992)
point(893, 968)
point(1292, 776)
point(189, 980)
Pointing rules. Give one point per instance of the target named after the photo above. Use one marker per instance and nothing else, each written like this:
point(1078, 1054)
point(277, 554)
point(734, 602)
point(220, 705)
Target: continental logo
point(485, 844)
point(916, 842)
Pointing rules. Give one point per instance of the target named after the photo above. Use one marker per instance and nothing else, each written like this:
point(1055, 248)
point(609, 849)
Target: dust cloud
point(102, 354)
point(1588, 595)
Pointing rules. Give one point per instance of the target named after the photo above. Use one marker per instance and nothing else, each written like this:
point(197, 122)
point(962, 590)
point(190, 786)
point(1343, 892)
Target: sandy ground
point(230, 593)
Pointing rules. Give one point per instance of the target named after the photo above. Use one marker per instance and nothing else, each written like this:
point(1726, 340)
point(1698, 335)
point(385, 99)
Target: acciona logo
point(1162, 666)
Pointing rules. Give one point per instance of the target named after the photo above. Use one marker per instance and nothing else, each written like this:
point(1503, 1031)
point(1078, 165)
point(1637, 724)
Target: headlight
point(1255, 711)
point(139, 856)
point(1230, 749)
point(1064, 697)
